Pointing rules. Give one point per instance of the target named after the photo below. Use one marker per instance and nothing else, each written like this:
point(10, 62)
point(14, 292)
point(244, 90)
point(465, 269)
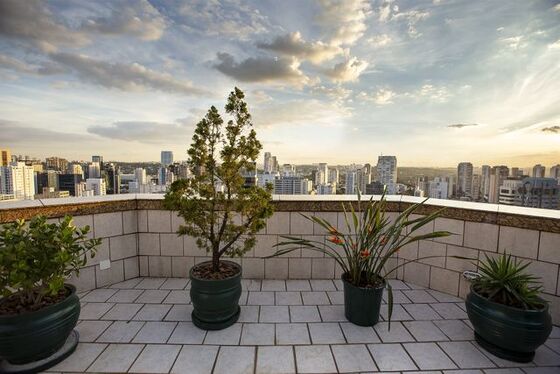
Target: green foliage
point(504, 280)
point(36, 259)
point(223, 221)
point(372, 239)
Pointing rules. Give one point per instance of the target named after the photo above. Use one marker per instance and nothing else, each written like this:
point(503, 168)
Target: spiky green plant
point(504, 280)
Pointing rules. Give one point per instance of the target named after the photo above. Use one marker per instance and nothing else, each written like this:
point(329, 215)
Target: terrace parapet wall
point(139, 240)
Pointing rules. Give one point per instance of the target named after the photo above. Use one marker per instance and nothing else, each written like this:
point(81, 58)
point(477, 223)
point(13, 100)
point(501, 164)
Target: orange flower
point(333, 231)
point(335, 239)
point(364, 253)
point(384, 240)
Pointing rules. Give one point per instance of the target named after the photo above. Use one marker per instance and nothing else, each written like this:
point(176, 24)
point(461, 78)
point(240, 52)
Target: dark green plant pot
point(215, 302)
point(361, 304)
point(36, 335)
point(510, 333)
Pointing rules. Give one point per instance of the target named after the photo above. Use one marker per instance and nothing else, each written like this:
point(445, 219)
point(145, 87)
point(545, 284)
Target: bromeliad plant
point(504, 281)
point(35, 260)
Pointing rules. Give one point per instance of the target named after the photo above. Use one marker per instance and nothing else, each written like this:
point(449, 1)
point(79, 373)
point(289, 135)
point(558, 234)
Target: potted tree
point(38, 310)
point(364, 251)
point(222, 207)
point(509, 317)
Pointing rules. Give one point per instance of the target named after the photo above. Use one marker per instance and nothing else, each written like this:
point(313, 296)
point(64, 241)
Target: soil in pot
point(15, 304)
point(362, 303)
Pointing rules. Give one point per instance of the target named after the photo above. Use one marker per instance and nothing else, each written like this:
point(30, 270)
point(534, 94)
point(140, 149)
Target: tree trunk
point(215, 259)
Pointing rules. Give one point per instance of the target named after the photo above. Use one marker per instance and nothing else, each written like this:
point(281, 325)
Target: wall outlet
point(105, 264)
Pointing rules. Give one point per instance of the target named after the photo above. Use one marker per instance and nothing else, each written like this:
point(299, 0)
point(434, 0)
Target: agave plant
point(370, 241)
point(504, 280)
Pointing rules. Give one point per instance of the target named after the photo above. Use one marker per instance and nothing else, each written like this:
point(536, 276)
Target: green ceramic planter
point(361, 304)
point(510, 333)
point(36, 335)
point(216, 302)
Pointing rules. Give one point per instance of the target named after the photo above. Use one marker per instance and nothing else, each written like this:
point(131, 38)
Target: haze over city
point(434, 83)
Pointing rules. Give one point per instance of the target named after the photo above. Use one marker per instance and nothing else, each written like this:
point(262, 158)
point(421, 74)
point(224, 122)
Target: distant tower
point(538, 171)
point(99, 160)
point(387, 172)
point(267, 162)
point(555, 171)
point(166, 158)
point(464, 179)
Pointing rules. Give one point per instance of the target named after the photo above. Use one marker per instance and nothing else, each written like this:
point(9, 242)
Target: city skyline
point(435, 83)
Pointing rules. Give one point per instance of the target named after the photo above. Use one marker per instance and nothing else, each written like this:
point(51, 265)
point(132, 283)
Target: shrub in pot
point(38, 310)
point(363, 252)
point(509, 317)
point(220, 209)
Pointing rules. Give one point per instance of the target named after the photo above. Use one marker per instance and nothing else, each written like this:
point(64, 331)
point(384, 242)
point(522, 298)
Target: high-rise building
point(476, 193)
point(485, 182)
point(437, 189)
point(555, 172)
point(326, 189)
point(56, 163)
point(267, 162)
point(539, 193)
point(70, 183)
point(97, 185)
point(291, 186)
point(165, 176)
point(464, 179)
point(350, 183)
point(387, 172)
point(334, 175)
point(508, 191)
point(516, 172)
point(47, 179)
point(166, 158)
point(5, 157)
point(140, 176)
point(498, 175)
point(322, 175)
point(17, 180)
point(113, 179)
point(99, 160)
point(75, 168)
point(274, 162)
point(288, 170)
point(538, 171)
point(363, 177)
point(94, 170)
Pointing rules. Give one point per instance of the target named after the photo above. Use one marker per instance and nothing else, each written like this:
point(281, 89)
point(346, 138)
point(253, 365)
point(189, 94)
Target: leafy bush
point(36, 259)
point(504, 280)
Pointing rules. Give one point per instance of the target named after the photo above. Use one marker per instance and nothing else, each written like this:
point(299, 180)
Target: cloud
point(344, 20)
point(378, 41)
point(557, 7)
point(388, 11)
point(513, 42)
point(138, 18)
point(347, 71)
point(462, 125)
point(262, 69)
point(230, 19)
point(383, 96)
point(434, 93)
point(552, 129)
point(300, 112)
point(337, 93)
point(145, 131)
point(134, 77)
point(46, 68)
point(555, 45)
point(15, 132)
point(293, 44)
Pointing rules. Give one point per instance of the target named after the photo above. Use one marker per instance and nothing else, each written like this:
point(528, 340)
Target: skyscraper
point(17, 180)
point(99, 160)
point(56, 163)
point(387, 172)
point(113, 179)
point(498, 175)
point(363, 177)
point(94, 170)
point(464, 179)
point(267, 162)
point(485, 182)
point(476, 187)
point(97, 185)
point(140, 176)
point(350, 182)
point(166, 158)
point(555, 172)
point(538, 171)
point(5, 157)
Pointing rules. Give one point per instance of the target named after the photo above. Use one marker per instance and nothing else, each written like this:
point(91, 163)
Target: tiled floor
point(144, 326)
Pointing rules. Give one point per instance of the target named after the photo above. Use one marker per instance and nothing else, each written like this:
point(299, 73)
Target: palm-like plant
point(372, 239)
point(504, 280)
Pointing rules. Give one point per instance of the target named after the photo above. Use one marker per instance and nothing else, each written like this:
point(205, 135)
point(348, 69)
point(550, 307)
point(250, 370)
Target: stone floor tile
point(260, 298)
point(292, 334)
point(397, 334)
point(399, 313)
point(391, 357)
point(553, 344)
point(428, 356)
point(541, 370)
point(249, 313)
point(155, 332)
point(273, 285)
point(555, 333)
point(174, 284)
point(315, 298)
point(120, 332)
point(449, 311)
point(298, 285)
point(332, 313)
point(257, 334)
point(152, 312)
point(94, 310)
point(425, 331)
point(500, 362)
point(326, 333)
point(288, 298)
point(336, 297)
point(455, 329)
point(117, 358)
point(398, 284)
point(304, 313)
point(82, 357)
point(187, 333)
point(178, 297)
point(314, 359)
point(243, 298)
point(421, 312)
point(125, 296)
point(358, 334)
point(90, 330)
point(489, 371)
point(227, 336)
point(195, 359)
point(274, 314)
point(419, 296)
point(152, 296)
point(150, 283)
point(235, 360)
point(338, 284)
point(179, 313)
point(545, 356)
point(99, 295)
point(445, 298)
point(122, 312)
point(275, 360)
point(251, 284)
point(322, 285)
point(156, 359)
point(466, 355)
point(398, 297)
point(466, 371)
point(352, 358)
point(130, 283)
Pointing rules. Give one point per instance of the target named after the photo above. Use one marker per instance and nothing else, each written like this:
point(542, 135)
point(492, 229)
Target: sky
point(431, 82)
